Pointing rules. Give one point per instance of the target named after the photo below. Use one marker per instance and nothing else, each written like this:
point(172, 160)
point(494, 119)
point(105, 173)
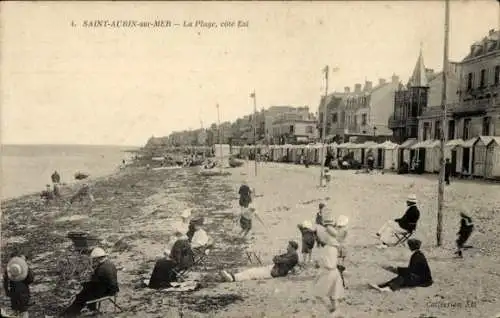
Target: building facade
point(410, 103)
point(291, 131)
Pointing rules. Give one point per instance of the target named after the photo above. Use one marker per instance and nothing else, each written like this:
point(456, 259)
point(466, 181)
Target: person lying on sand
point(246, 219)
point(283, 264)
point(104, 282)
point(417, 274)
point(308, 240)
point(407, 223)
point(177, 257)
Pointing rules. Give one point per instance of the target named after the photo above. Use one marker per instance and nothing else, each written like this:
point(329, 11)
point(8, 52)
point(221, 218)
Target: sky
point(63, 83)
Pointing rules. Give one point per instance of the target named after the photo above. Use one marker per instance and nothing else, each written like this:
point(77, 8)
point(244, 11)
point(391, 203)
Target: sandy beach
point(134, 211)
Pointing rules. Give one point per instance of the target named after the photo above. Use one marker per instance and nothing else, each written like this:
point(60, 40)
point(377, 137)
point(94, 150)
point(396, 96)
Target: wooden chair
point(199, 259)
point(98, 302)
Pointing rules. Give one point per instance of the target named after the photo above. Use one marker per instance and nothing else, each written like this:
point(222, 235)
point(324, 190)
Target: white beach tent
point(451, 152)
point(465, 156)
point(479, 157)
point(432, 155)
point(378, 153)
point(390, 150)
point(405, 149)
point(493, 159)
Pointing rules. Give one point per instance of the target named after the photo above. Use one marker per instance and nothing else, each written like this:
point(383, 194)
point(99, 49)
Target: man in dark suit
point(409, 220)
point(447, 171)
point(417, 274)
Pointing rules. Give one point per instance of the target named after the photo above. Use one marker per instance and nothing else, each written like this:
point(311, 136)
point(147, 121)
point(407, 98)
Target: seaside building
point(410, 103)
point(478, 110)
point(294, 130)
point(362, 112)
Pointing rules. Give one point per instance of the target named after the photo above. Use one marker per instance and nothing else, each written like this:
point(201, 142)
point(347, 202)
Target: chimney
point(368, 86)
point(395, 79)
point(347, 90)
point(381, 81)
point(357, 88)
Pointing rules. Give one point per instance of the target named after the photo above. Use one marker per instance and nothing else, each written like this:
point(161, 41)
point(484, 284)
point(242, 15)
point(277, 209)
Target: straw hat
point(307, 225)
point(342, 221)
point(412, 198)
point(98, 252)
point(186, 213)
point(17, 269)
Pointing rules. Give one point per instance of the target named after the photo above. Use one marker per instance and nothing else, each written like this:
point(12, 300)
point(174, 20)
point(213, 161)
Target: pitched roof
point(419, 76)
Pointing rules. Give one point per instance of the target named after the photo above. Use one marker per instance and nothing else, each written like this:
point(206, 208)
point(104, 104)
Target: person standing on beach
point(319, 215)
point(55, 177)
point(246, 219)
point(328, 286)
point(308, 240)
point(447, 171)
point(466, 228)
point(16, 280)
point(245, 196)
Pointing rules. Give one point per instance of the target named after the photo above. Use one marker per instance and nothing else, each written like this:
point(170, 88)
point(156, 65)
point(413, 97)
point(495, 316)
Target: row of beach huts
point(476, 157)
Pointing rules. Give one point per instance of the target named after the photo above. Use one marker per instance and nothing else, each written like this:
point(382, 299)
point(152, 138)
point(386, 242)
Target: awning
point(470, 143)
point(302, 139)
point(407, 144)
point(389, 145)
point(454, 143)
point(420, 144)
point(433, 144)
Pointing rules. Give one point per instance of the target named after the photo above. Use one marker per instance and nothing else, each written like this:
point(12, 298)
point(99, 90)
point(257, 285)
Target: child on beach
point(245, 195)
point(246, 219)
point(319, 215)
point(16, 280)
point(466, 228)
point(308, 240)
point(327, 176)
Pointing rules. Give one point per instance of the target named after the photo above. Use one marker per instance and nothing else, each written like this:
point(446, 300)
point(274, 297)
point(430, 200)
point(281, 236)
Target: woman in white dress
point(328, 286)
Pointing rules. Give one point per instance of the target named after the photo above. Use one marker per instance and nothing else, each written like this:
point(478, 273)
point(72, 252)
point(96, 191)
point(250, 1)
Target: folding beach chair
point(199, 260)
point(401, 238)
point(98, 302)
point(251, 255)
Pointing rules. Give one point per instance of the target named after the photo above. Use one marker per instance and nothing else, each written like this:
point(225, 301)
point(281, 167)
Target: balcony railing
point(474, 106)
point(395, 123)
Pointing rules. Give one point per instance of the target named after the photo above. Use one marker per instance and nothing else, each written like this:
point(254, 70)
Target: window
point(466, 131)
point(469, 81)
point(355, 120)
point(309, 129)
point(427, 131)
point(291, 129)
point(437, 130)
point(451, 130)
point(486, 126)
point(363, 119)
point(334, 118)
point(497, 74)
point(483, 79)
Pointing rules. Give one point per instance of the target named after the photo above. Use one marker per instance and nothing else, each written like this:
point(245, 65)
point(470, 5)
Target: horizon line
point(68, 144)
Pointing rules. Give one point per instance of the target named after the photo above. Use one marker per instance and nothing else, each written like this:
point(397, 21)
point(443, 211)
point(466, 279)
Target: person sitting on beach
point(201, 240)
point(245, 195)
point(16, 280)
point(308, 240)
point(83, 193)
point(417, 274)
point(283, 264)
point(466, 228)
point(104, 282)
point(176, 257)
point(406, 223)
point(47, 195)
point(246, 219)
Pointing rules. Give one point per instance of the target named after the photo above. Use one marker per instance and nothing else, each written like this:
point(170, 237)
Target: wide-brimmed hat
point(186, 213)
point(307, 225)
point(17, 269)
point(98, 252)
point(342, 220)
point(412, 198)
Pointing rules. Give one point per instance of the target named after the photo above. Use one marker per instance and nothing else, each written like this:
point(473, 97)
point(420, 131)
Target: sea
point(27, 168)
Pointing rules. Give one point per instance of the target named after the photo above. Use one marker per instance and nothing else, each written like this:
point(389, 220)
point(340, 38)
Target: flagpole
point(255, 128)
point(439, 228)
point(220, 135)
point(323, 130)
